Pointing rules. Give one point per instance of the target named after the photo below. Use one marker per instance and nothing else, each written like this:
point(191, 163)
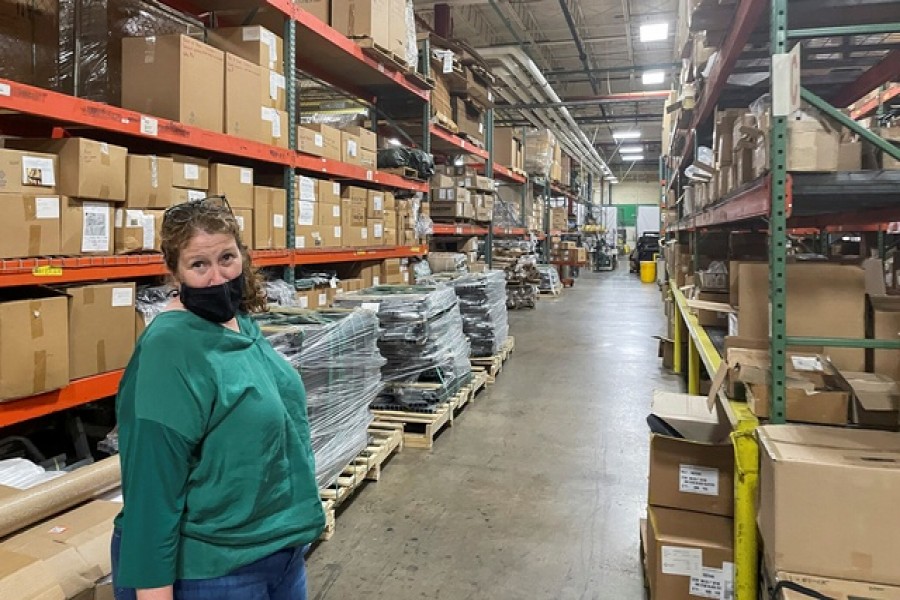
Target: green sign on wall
point(627, 215)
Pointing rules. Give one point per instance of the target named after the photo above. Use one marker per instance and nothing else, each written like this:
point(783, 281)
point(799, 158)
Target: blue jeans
point(279, 576)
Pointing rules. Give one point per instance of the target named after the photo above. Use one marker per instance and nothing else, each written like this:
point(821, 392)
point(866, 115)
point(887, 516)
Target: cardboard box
point(355, 236)
point(376, 232)
point(319, 140)
point(87, 168)
point(241, 108)
point(138, 230)
point(235, 183)
point(391, 236)
point(30, 225)
point(330, 192)
point(827, 501)
point(811, 147)
point(254, 43)
point(475, 183)
point(182, 195)
point(269, 218)
point(350, 148)
point(876, 399)
point(27, 172)
point(274, 127)
point(368, 159)
point(850, 156)
point(375, 205)
point(451, 210)
point(273, 90)
point(689, 554)
point(397, 27)
point(351, 285)
point(330, 214)
point(190, 172)
point(508, 146)
point(451, 194)
point(330, 236)
point(836, 589)
point(368, 139)
point(306, 189)
point(244, 218)
point(34, 342)
point(307, 213)
point(86, 227)
point(175, 77)
point(808, 283)
point(101, 332)
point(149, 181)
point(363, 19)
point(885, 318)
point(354, 206)
point(321, 9)
point(439, 180)
point(22, 576)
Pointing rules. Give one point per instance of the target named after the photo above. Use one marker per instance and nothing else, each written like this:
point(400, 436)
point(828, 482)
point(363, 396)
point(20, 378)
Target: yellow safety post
point(693, 368)
point(677, 358)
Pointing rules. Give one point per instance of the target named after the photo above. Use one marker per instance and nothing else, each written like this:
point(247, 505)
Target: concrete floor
point(537, 489)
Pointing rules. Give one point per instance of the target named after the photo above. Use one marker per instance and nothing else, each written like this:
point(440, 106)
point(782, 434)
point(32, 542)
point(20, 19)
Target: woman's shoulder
point(169, 331)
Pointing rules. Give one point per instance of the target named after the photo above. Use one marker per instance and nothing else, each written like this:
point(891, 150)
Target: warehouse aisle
point(537, 489)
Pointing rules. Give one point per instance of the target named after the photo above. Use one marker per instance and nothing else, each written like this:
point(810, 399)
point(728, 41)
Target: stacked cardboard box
point(458, 193)
point(508, 149)
point(689, 538)
point(381, 24)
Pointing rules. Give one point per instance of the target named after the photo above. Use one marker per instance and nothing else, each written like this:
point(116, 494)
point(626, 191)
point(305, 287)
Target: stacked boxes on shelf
point(378, 24)
point(566, 252)
point(508, 148)
point(458, 193)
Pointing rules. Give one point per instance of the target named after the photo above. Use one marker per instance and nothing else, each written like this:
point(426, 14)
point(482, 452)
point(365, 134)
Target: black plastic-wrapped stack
point(482, 303)
point(422, 340)
point(336, 353)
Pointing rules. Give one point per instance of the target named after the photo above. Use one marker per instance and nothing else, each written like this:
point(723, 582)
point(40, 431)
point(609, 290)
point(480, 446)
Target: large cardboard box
point(87, 168)
point(321, 9)
point(319, 140)
point(355, 212)
point(149, 181)
point(876, 400)
point(274, 127)
point(329, 192)
point(508, 147)
point(451, 194)
point(375, 204)
point(307, 189)
point(270, 218)
point(22, 576)
point(34, 342)
point(363, 19)
point(182, 195)
point(355, 236)
point(451, 210)
point(812, 147)
point(235, 183)
point(30, 225)
point(138, 230)
point(843, 315)
point(376, 232)
point(101, 328)
point(350, 149)
point(397, 28)
point(242, 109)
point(74, 546)
point(885, 319)
point(273, 90)
point(836, 589)
point(368, 139)
point(689, 555)
point(827, 501)
point(307, 213)
point(22, 171)
point(86, 227)
point(175, 77)
point(244, 218)
point(190, 172)
point(254, 43)
point(330, 213)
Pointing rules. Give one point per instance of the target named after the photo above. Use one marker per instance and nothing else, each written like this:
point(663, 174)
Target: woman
point(218, 474)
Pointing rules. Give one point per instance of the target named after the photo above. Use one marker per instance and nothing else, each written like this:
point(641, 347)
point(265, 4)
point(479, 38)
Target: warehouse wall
point(635, 193)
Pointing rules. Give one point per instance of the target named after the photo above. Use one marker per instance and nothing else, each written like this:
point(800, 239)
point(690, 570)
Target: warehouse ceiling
point(600, 67)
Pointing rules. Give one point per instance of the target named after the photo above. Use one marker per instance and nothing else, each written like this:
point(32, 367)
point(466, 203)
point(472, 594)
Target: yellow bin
point(648, 271)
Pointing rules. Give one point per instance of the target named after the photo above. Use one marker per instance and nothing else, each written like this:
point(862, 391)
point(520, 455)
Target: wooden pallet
point(328, 532)
point(380, 54)
point(479, 381)
point(445, 122)
point(420, 429)
point(494, 364)
point(405, 172)
point(463, 397)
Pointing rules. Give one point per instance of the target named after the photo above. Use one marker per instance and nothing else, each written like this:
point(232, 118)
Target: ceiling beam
point(622, 69)
point(878, 75)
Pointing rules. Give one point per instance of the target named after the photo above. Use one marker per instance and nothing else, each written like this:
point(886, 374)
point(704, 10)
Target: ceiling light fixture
point(631, 149)
point(634, 157)
point(654, 32)
point(653, 77)
point(627, 135)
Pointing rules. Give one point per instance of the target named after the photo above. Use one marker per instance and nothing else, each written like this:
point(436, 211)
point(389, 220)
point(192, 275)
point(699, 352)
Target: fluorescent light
point(614, 180)
point(631, 149)
point(394, 142)
point(633, 157)
point(626, 135)
point(654, 32)
point(653, 77)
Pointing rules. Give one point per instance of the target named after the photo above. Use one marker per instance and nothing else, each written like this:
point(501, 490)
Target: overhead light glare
point(654, 32)
point(634, 157)
point(631, 149)
point(627, 135)
point(653, 77)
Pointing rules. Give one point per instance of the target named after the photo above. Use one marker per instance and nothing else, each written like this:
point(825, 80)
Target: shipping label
point(38, 171)
point(710, 584)
point(46, 208)
point(95, 231)
point(246, 176)
point(677, 560)
point(698, 480)
point(306, 212)
point(148, 222)
point(123, 296)
point(278, 221)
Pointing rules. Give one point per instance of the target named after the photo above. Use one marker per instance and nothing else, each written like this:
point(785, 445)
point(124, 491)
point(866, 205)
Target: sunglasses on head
point(181, 213)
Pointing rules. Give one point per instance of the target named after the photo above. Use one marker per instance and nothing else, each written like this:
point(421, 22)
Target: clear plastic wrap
point(523, 295)
point(152, 300)
point(482, 303)
point(549, 278)
point(29, 38)
point(338, 120)
point(422, 339)
point(21, 474)
point(281, 293)
point(539, 149)
point(448, 262)
point(336, 353)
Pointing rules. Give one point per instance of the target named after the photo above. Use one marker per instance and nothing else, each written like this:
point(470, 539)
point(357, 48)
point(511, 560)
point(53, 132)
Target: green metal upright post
point(489, 172)
point(547, 219)
point(524, 192)
point(425, 62)
point(290, 177)
point(778, 228)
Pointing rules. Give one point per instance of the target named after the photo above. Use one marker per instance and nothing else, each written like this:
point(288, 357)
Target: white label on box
point(710, 584)
point(370, 176)
point(335, 211)
point(728, 581)
point(276, 125)
point(149, 126)
point(5, 89)
point(352, 148)
point(195, 195)
point(490, 96)
point(481, 128)
point(278, 221)
point(38, 171)
point(336, 189)
point(379, 230)
point(148, 222)
point(304, 302)
point(123, 296)
point(323, 299)
point(104, 148)
point(306, 212)
point(405, 276)
point(154, 172)
point(95, 230)
point(250, 34)
point(364, 233)
point(240, 222)
point(447, 62)
point(246, 176)
point(698, 480)
point(378, 201)
point(337, 231)
point(46, 208)
point(276, 82)
point(677, 560)
point(442, 194)
point(191, 172)
point(333, 283)
point(809, 364)
point(268, 38)
point(307, 189)
point(299, 241)
point(318, 140)
point(373, 306)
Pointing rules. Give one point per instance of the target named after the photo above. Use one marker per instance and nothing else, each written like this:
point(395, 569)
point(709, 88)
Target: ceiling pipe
point(609, 99)
point(582, 54)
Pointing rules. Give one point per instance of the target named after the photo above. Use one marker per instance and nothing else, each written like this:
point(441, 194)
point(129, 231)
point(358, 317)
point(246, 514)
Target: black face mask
point(217, 303)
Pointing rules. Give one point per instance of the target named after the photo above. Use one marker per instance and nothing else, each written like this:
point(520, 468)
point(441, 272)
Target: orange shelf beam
point(442, 141)
point(334, 168)
point(77, 393)
point(325, 256)
point(451, 229)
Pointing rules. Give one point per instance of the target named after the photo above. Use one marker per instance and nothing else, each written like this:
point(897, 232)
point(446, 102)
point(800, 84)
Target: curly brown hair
point(182, 223)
